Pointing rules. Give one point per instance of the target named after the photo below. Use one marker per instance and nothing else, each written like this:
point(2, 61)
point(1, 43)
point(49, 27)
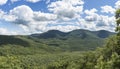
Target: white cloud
point(62, 17)
point(91, 11)
point(9, 18)
point(22, 13)
point(6, 17)
point(1, 13)
point(67, 8)
point(65, 15)
point(66, 28)
point(100, 21)
point(40, 16)
point(117, 4)
point(105, 21)
point(14, 1)
point(107, 9)
point(33, 1)
point(91, 14)
point(2, 2)
point(4, 31)
point(25, 28)
point(28, 19)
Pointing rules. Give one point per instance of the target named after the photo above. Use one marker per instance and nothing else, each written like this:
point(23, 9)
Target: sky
point(23, 17)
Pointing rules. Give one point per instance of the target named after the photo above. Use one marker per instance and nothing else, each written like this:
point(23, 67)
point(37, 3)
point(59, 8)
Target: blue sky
point(37, 16)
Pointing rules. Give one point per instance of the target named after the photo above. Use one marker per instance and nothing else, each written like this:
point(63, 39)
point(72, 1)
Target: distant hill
point(75, 33)
point(4, 40)
point(103, 33)
point(54, 40)
point(76, 40)
point(50, 34)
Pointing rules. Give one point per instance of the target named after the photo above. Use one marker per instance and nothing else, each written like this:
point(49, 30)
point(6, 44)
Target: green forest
point(79, 49)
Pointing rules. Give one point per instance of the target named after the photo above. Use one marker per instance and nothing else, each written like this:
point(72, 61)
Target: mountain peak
point(75, 33)
point(103, 33)
point(50, 34)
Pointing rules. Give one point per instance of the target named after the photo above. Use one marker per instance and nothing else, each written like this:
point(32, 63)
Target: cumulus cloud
point(33, 21)
point(33, 1)
point(117, 4)
point(100, 21)
point(64, 15)
point(107, 9)
point(91, 14)
point(40, 16)
point(66, 8)
point(22, 13)
point(2, 2)
point(6, 17)
point(105, 21)
point(91, 11)
point(28, 19)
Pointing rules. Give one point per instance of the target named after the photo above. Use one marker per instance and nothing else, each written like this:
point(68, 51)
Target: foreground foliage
point(13, 57)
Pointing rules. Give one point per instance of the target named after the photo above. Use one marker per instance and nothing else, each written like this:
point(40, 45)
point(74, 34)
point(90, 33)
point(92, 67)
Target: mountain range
point(55, 40)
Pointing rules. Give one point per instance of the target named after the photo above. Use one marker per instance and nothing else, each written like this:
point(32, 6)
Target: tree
point(117, 15)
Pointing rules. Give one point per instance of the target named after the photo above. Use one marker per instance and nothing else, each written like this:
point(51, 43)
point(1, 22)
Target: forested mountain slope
point(59, 50)
point(76, 40)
